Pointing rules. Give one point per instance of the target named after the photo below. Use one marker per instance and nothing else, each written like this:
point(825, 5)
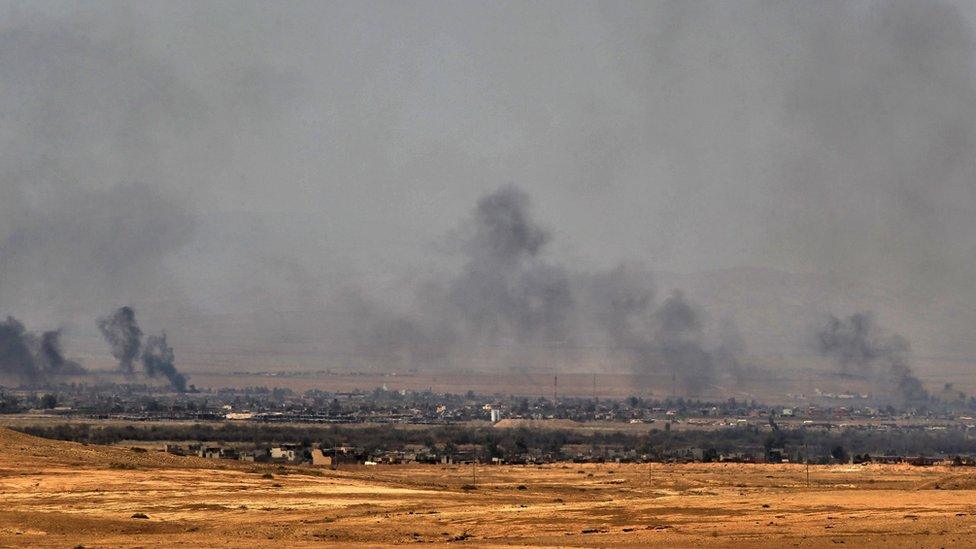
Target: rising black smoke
point(51, 356)
point(668, 338)
point(122, 333)
point(859, 347)
point(158, 359)
point(680, 341)
point(506, 291)
point(30, 358)
point(510, 303)
point(15, 351)
point(507, 304)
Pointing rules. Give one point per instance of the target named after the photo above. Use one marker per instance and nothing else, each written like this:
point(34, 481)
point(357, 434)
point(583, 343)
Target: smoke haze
point(15, 353)
point(159, 360)
point(249, 175)
point(861, 348)
point(511, 302)
point(52, 358)
point(123, 336)
point(32, 359)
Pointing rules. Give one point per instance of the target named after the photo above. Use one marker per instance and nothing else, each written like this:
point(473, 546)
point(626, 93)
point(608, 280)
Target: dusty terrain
point(61, 494)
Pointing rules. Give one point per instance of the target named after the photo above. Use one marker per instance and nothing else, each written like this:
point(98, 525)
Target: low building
point(288, 452)
point(320, 459)
point(209, 452)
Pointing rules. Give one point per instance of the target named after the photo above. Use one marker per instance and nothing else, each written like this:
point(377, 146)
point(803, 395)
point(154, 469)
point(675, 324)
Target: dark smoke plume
point(124, 337)
point(859, 347)
point(158, 359)
point(729, 353)
point(669, 338)
point(32, 359)
point(680, 340)
point(15, 351)
point(123, 334)
point(506, 291)
point(506, 304)
point(620, 302)
point(510, 304)
point(52, 357)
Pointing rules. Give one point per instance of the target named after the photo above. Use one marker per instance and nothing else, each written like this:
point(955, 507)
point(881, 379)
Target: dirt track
point(63, 494)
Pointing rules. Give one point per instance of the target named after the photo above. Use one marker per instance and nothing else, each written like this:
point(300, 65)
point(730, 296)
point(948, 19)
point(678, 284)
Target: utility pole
point(806, 458)
point(555, 394)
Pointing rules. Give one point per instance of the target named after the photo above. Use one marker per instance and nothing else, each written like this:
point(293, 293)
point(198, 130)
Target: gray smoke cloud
point(159, 360)
point(386, 337)
point(621, 301)
point(680, 339)
point(124, 337)
point(88, 213)
point(16, 357)
point(52, 358)
point(30, 358)
point(510, 302)
point(729, 354)
point(506, 301)
point(121, 331)
point(506, 291)
point(860, 347)
point(172, 149)
point(668, 338)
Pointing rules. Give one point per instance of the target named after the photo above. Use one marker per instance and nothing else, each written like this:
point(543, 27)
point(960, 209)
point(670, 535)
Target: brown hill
point(18, 449)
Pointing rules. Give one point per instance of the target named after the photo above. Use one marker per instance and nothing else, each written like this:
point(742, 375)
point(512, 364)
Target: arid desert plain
point(62, 494)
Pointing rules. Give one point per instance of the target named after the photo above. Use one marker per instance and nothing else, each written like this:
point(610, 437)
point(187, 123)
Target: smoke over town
point(510, 301)
point(158, 360)
point(124, 337)
point(506, 290)
point(669, 337)
point(38, 360)
point(52, 358)
point(32, 359)
point(861, 348)
point(296, 197)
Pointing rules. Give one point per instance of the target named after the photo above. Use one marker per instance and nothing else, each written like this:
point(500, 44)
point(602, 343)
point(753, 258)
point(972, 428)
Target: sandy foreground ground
point(57, 494)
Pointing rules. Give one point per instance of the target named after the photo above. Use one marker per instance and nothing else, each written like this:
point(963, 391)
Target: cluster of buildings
point(261, 407)
point(313, 455)
point(298, 454)
point(282, 453)
point(380, 406)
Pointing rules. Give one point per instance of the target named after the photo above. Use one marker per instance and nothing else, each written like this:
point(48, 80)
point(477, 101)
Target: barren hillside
point(56, 494)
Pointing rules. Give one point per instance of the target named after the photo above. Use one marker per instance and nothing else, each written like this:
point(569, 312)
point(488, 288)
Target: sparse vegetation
point(821, 446)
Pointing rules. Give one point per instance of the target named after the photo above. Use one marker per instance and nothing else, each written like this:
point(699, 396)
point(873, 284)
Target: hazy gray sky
point(237, 156)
